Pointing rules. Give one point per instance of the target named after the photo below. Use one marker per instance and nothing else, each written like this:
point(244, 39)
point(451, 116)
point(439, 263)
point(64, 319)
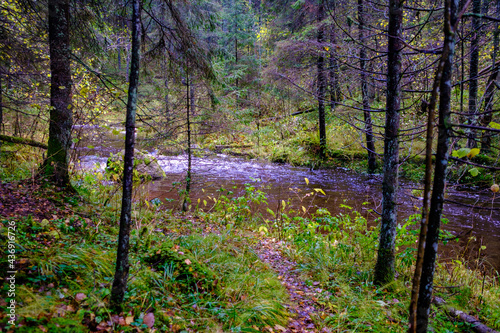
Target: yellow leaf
point(307, 181)
point(283, 204)
point(304, 209)
point(205, 202)
point(473, 152)
point(320, 191)
point(62, 87)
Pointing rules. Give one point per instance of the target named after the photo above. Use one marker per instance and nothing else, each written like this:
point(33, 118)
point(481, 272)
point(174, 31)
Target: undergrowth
point(198, 272)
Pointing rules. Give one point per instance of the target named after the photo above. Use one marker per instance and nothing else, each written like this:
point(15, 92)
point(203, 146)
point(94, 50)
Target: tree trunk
point(192, 96)
point(370, 143)
point(122, 264)
point(431, 106)
point(384, 268)
point(334, 85)
point(473, 72)
point(490, 89)
point(1, 106)
point(321, 82)
point(437, 198)
point(55, 167)
point(188, 124)
point(119, 56)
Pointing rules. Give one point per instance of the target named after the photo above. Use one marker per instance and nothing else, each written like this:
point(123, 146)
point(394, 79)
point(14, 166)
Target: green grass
point(199, 271)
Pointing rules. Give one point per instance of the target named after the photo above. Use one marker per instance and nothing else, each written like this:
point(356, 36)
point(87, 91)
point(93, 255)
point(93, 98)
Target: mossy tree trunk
point(321, 81)
point(122, 264)
point(473, 73)
point(185, 204)
point(55, 167)
point(490, 89)
point(384, 268)
point(437, 198)
point(431, 106)
point(370, 143)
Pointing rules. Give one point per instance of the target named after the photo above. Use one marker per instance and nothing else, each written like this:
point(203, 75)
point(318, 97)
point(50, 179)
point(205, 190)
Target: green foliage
point(18, 162)
point(182, 267)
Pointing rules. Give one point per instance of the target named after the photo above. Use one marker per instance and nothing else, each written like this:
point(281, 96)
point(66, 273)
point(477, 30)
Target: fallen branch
point(301, 112)
point(22, 141)
point(477, 326)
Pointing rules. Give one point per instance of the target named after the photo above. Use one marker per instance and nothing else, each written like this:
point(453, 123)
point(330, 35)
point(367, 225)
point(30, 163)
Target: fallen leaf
point(129, 320)
point(187, 261)
point(279, 327)
point(149, 320)
point(80, 297)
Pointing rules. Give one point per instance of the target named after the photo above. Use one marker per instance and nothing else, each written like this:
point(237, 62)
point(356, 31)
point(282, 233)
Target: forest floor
point(252, 278)
point(304, 298)
point(28, 198)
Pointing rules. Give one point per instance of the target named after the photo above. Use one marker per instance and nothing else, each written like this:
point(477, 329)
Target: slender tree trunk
point(188, 124)
point(384, 268)
point(490, 89)
point(334, 85)
point(119, 55)
point(236, 59)
point(55, 167)
point(167, 91)
point(370, 143)
point(473, 72)
point(321, 82)
point(122, 264)
point(192, 97)
point(431, 106)
point(437, 198)
point(1, 105)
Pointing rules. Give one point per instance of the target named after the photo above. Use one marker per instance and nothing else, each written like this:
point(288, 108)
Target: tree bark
point(437, 198)
point(122, 264)
point(1, 105)
point(188, 124)
point(55, 167)
point(384, 268)
point(473, 72)
point(370, 143)
point(427, 189)
point(490, 89)
point(321, 81)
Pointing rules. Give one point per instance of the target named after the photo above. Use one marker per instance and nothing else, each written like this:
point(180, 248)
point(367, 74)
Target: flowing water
point(341, 188)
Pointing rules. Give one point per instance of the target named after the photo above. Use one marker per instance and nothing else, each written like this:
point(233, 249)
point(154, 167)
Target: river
point(341, 187)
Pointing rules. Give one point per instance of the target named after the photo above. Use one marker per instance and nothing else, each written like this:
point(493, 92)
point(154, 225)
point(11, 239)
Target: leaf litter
point(303, 298)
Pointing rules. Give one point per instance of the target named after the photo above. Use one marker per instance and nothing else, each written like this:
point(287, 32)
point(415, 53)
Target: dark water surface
point(341, 187)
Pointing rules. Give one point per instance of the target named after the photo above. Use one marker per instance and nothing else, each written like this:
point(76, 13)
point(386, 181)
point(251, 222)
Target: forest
point(250, 166)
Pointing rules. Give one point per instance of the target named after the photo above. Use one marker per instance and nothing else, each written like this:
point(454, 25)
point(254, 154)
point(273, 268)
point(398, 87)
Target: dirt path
point(303, 298)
